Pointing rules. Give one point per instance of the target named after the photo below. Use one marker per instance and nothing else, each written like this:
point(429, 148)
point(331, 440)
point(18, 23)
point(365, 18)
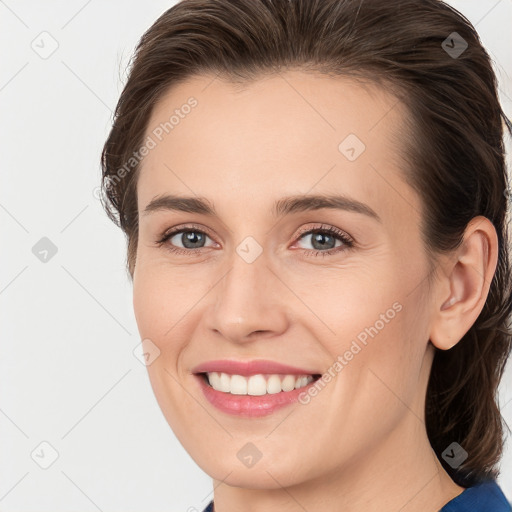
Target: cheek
point(381, 331)
point(147, 296)
point(390, 363)
point(167, 305)
point(160, 309)
point(157, 306)
point(378, 375)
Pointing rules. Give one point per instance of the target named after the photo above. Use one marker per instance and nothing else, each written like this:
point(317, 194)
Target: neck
point(403, 474)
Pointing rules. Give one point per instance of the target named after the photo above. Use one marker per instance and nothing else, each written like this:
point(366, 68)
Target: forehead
point(280, 135)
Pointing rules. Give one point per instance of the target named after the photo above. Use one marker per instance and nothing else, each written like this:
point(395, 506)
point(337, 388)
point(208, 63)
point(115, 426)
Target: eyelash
point(348, 243)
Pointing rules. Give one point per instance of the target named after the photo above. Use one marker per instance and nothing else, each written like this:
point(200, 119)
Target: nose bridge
point(246, 298)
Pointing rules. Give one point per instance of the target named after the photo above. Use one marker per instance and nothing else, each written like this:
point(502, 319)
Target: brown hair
point(454, 150)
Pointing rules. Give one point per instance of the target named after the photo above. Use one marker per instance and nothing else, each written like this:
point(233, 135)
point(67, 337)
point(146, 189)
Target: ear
point(462, 291)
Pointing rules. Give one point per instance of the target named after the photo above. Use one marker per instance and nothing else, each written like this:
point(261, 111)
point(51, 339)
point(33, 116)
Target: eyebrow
point(283, 206)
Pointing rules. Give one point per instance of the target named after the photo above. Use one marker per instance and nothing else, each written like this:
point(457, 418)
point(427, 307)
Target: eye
point(191, 237)
point(323, 240)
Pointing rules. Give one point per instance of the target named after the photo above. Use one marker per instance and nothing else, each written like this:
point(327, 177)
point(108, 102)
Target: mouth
point(255, 385)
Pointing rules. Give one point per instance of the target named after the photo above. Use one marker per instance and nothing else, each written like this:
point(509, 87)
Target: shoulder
point(484, 497)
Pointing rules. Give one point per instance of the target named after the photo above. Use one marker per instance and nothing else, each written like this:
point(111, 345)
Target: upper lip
point(250, 367)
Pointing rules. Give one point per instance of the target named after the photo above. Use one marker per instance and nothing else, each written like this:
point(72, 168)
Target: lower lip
point(248, 405)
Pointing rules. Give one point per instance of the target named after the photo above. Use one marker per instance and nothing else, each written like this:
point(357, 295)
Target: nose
point(248, 303)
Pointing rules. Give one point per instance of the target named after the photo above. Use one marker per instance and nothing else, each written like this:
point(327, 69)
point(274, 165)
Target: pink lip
point(247, 405)
point(254, 367)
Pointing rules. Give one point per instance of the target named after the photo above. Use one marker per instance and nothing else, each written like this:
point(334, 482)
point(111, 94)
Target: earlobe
point(447, 328)
point(448, 332)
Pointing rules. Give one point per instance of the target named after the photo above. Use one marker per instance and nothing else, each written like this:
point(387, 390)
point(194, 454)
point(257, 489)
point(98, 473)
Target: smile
point(255, 395)
point(256, 385)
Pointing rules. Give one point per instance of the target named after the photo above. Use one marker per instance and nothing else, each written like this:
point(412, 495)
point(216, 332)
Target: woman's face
point(251, 282)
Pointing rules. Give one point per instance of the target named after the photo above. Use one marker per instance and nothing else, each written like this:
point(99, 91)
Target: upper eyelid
point(324, 227)
point(180, 229)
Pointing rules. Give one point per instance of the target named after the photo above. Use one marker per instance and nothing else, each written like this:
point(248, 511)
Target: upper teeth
point(256, 384)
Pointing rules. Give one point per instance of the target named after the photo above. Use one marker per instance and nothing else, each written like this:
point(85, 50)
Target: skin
point(361, 443)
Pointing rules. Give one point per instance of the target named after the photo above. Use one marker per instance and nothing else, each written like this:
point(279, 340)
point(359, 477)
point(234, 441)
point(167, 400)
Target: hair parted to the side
point(454, 150)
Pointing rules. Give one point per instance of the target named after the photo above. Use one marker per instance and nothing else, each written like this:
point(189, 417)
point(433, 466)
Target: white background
point(67, 372)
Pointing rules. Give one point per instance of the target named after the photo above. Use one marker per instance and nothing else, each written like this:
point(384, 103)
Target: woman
point(314, 195)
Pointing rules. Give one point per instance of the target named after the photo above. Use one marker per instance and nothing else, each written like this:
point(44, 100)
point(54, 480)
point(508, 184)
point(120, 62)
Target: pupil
point(193, 237)
point(317, 238)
